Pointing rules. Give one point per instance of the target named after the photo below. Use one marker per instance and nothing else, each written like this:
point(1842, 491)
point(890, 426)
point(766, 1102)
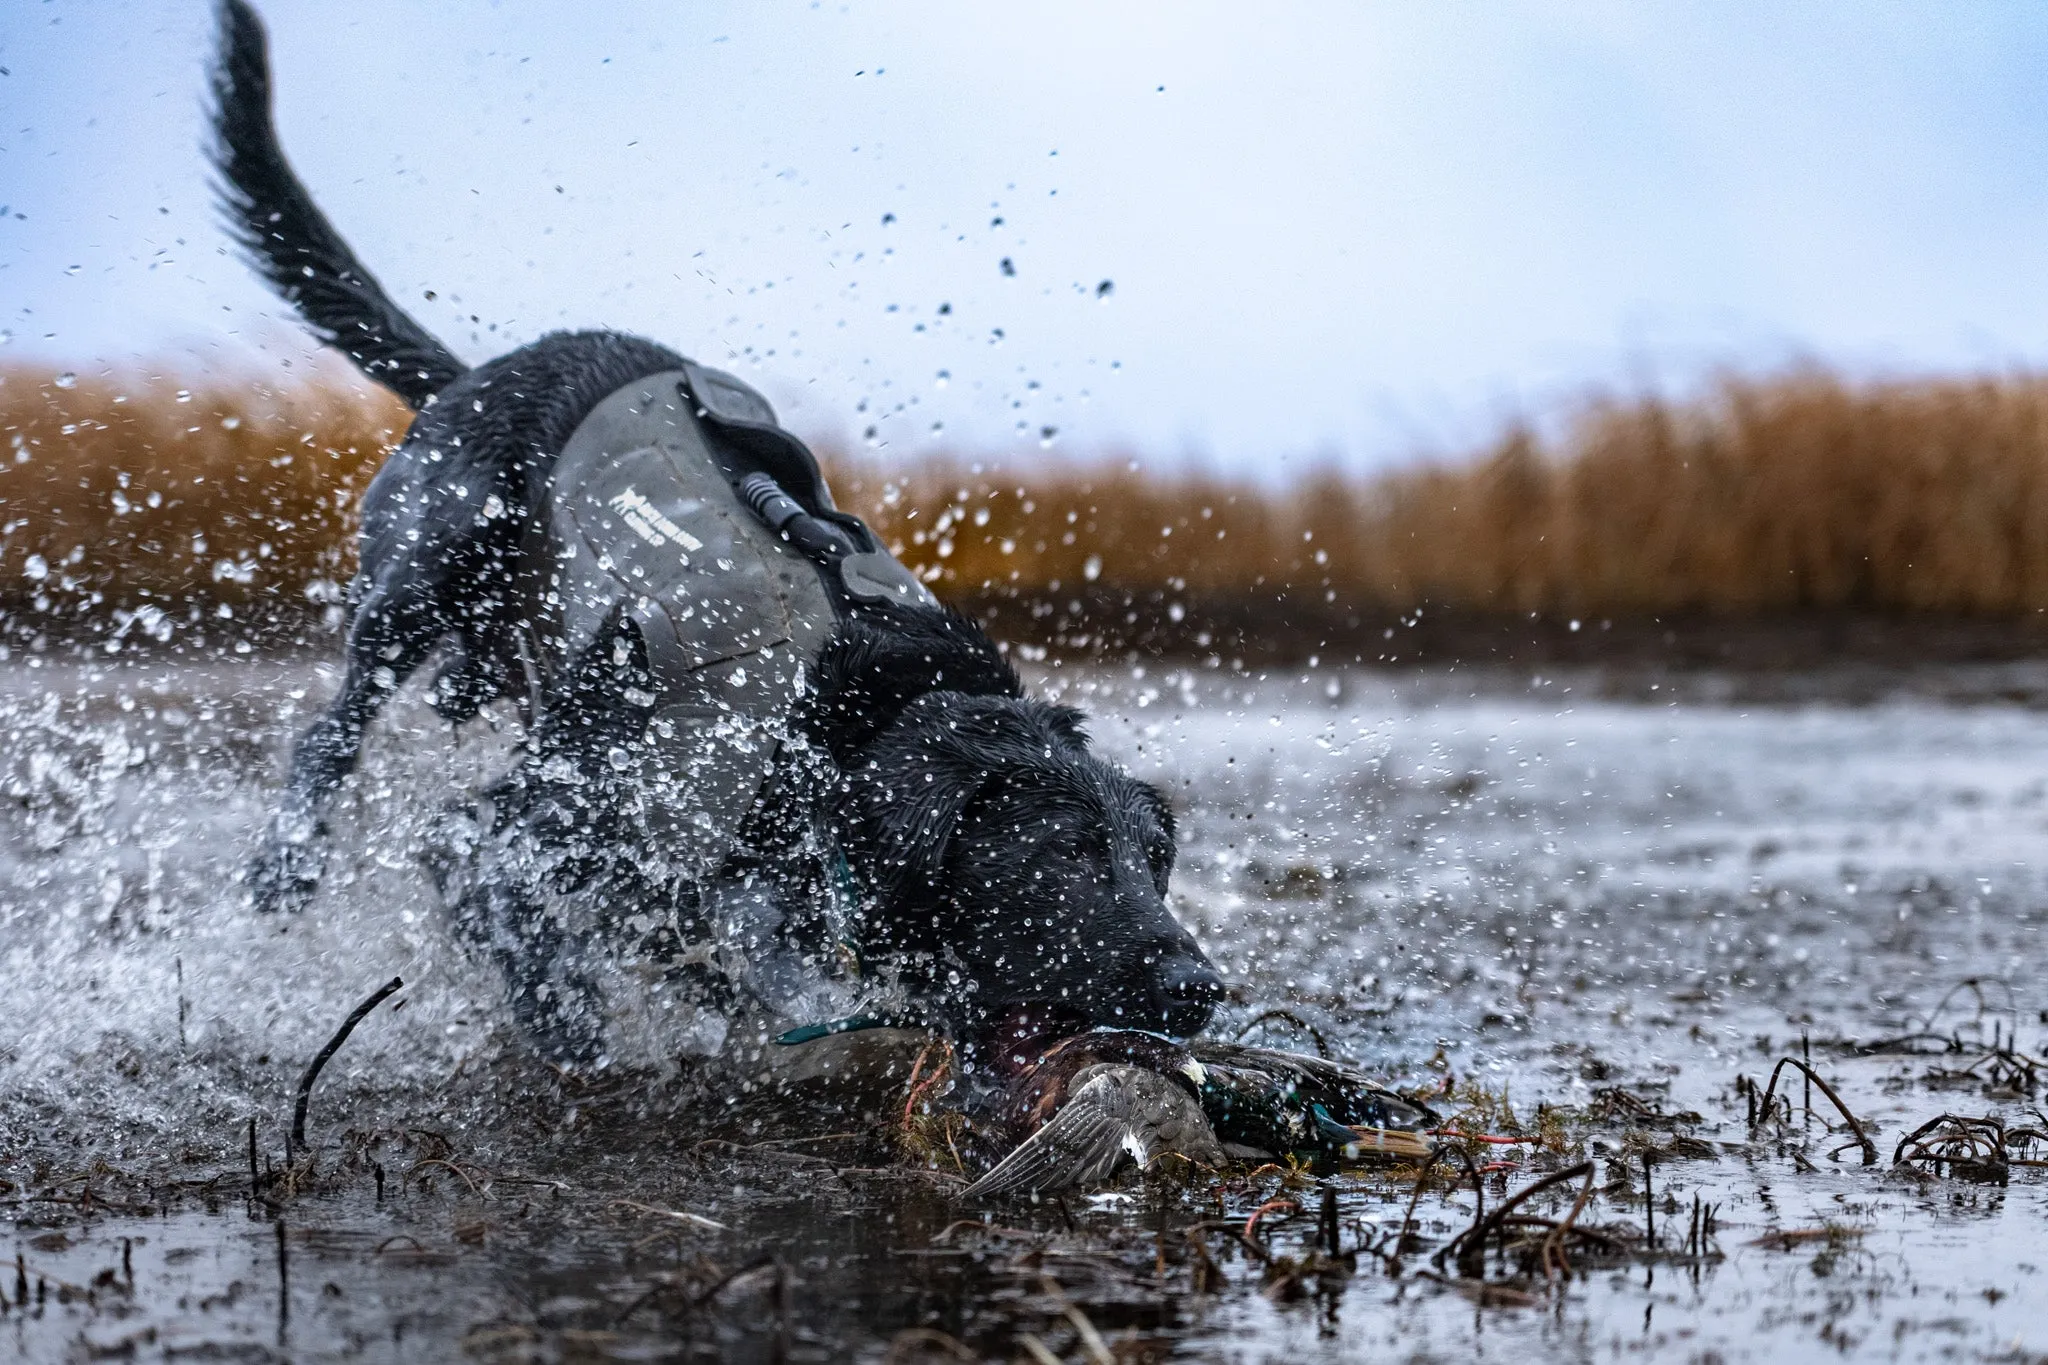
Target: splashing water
point(1522, 888)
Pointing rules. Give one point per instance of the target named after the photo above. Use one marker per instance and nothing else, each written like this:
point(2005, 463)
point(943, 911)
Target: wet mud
point(1590, 916)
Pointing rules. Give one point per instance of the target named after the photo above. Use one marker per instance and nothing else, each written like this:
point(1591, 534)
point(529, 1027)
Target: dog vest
point(648, 523)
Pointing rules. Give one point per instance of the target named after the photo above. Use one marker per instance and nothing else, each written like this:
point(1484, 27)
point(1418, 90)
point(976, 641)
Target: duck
point(1094, 1103)
point(1268, 1105)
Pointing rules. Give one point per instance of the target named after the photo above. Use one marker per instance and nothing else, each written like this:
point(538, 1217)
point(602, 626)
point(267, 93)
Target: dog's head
point(1028, 873)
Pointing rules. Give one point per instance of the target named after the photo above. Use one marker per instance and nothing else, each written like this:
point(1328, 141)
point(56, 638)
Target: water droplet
point(1092, 570)
point(1105, 289)
point(1047, 435)
point(67, 380)
point(945, 377)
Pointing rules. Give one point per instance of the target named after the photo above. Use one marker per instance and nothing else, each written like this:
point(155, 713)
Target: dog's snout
point(1193, 982)
point(1190, 990)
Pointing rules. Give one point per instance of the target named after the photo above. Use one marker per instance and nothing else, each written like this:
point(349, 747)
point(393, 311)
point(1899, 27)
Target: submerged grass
point(1802, 492)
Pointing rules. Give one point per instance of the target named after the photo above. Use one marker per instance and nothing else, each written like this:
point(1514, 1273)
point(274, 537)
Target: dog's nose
point(1192, 989)
point(1194, 982)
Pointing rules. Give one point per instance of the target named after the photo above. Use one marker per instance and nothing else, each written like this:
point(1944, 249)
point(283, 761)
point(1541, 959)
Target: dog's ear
point(1162, 844)
point(1067, 724)
point(898, 822)
point(884, 659)
point(907, 792)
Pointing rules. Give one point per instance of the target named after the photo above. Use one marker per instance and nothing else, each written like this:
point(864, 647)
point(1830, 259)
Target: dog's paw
point(284, 875)
point(466, 686)
point(564, 1024)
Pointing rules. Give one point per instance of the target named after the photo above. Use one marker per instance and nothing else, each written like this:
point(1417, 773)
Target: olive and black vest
point(647, 522)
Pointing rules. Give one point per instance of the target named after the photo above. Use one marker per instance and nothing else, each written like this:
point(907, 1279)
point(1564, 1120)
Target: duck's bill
point(1393, 1142)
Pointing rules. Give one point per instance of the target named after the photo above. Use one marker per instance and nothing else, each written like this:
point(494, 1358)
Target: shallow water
point(1526, 887)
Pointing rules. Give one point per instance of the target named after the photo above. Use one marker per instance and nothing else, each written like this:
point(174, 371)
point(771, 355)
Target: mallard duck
point(1092, 1103)
point(1265, 1104)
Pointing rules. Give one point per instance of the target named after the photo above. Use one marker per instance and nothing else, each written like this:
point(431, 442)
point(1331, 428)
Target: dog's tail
point(288, 239)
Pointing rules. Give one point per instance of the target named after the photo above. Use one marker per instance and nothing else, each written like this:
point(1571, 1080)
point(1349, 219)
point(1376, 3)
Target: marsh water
point(1603, 903)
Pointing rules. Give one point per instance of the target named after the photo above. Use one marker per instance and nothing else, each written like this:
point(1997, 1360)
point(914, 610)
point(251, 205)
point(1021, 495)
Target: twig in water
point(1862, 1138)
point(1478, 1210)
point(1414, 1198)
point(907, 1341)
point(695, 1220)
point(1206, 1272)
point(1470, 1246)
point(758, 1263)
point(1491, 1139)
point(1037, 1350)
point(1552, 1252)
point(284, 1281)
point(1270, 1206)
point(1963, 1147)
point(297, 1140)
point(1649, 1206)
point(179, 963)
point(424, 1162)
point(1315, 1034)
point(1091, 1339)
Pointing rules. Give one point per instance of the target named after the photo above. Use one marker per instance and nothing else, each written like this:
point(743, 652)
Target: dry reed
point(1797, 493)
point(124, 490)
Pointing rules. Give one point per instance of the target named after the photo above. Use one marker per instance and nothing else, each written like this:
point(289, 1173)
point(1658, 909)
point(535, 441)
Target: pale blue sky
point(1368, 230)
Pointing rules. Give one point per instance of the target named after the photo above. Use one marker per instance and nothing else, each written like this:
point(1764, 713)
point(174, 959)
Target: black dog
point(1007, 878)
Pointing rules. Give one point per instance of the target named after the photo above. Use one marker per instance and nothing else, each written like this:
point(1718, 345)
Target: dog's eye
point(1071, 844)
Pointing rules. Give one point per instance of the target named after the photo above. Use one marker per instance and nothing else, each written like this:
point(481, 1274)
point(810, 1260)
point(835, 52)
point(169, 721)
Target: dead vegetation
point(1097, 1284)
point(119, 492)
point(1799, 493)
point(1981, 1148)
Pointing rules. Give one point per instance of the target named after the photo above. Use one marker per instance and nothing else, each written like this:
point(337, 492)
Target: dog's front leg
point(559, 1011)
point(774, 950)
point(387, 641)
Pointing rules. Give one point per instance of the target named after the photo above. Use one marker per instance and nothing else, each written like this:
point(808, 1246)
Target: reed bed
point(1797, 493)
point(124, 492)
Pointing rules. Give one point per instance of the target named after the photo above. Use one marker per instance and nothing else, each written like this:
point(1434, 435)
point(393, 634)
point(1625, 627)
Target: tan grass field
point(1798, 493)
point(120, 491)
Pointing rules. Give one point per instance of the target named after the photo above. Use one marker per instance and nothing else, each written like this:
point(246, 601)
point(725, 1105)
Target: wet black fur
point(999, 861)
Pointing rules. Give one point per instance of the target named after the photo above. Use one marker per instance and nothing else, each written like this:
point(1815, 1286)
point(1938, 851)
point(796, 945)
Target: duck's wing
point(1114, 1114)
point(1347, 1095)
point(1282, 1103)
